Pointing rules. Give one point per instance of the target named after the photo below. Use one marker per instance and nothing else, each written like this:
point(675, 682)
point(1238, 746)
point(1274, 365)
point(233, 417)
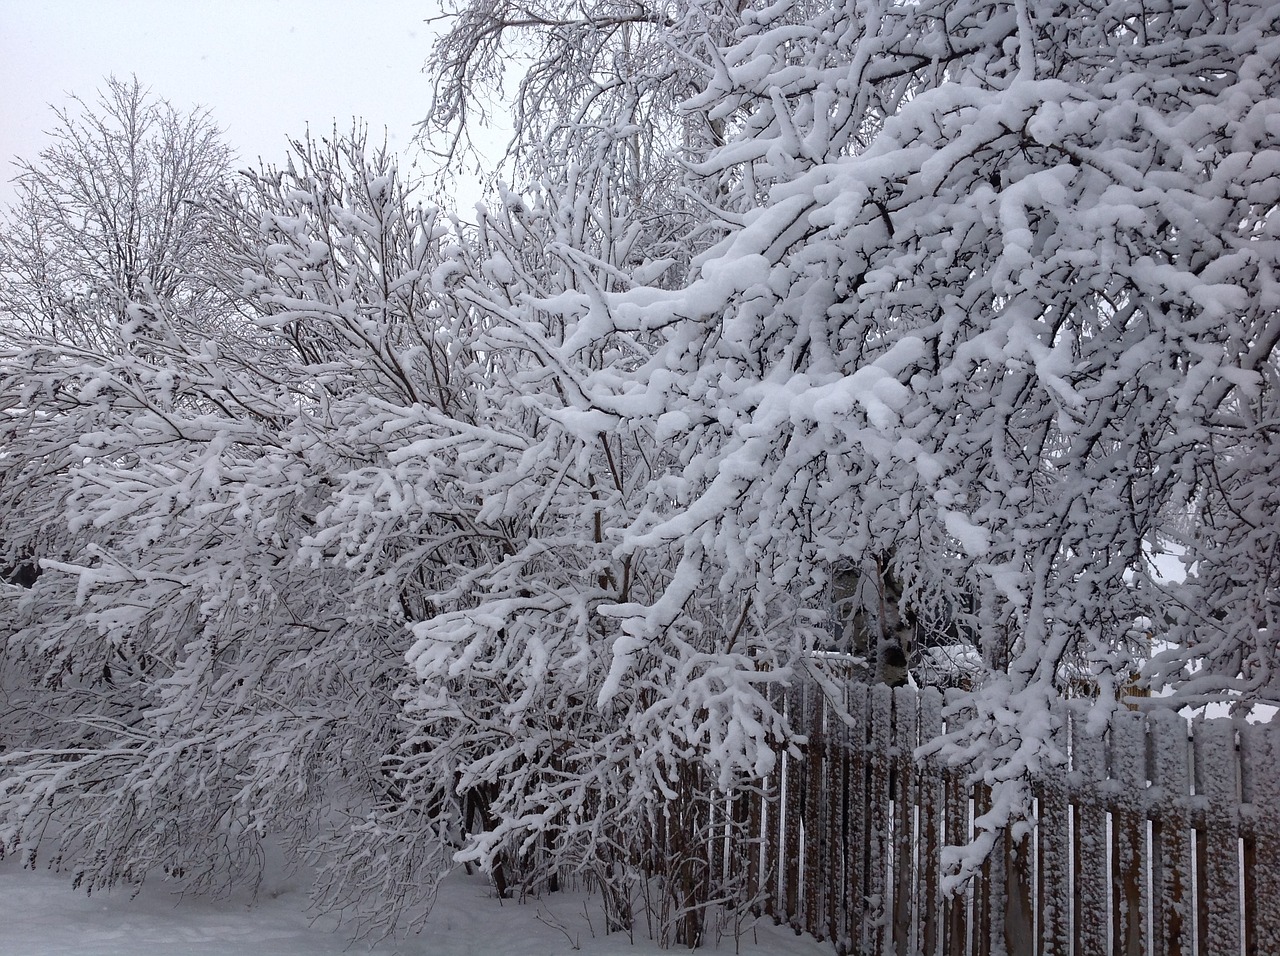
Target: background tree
point(194, 681)
point(110, 212)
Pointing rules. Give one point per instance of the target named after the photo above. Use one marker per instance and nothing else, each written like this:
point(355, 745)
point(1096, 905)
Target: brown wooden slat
point(1260, 792)
point(858, 704)
point(1019, 912)
point(1217, 785)
point(958, 820)
point(1053, 849)
point(771, 806)
point(815, 822)
point(792, 809)
point(988, 889)
point(1172, 891)
point(1088, 762)
point(879, 890)
point(1129, 900)
point(750, 804)
point(905, 797)
point(834, 896)
point(716, 841)
point(931, 832)
point(771, 811)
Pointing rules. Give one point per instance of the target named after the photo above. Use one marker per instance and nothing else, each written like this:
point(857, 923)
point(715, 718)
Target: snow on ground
point(40, 915)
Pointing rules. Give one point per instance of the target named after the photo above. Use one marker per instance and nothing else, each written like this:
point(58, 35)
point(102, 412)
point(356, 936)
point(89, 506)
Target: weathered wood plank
point(1172, 890)
point(1019, 910)
point(1089, 772)
point(988, 889)
point(1053, 846)
point(880, 762)
point(904, 796)
point(793, 810)
point(959, 820)
point(814, 817)
point(857, 860)
point(834, 849)
point(1129, 899)
point(931, 827)
point(1260, 794)
point(750, 807)
point(772, 811)
point(1218, 848)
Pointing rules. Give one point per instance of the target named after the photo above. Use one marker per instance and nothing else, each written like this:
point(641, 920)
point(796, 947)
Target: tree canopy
point(498, 542)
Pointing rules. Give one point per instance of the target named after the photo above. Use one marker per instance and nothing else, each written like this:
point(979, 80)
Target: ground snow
point(40, 915)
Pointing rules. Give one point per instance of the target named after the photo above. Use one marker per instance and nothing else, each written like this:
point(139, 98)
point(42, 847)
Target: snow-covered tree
point(1001, 304)
point(348, 566)
point(110, 211)
point(497, 543)
point(199, 672)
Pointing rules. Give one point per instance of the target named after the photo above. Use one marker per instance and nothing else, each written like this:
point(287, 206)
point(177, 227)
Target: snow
point(40, 915)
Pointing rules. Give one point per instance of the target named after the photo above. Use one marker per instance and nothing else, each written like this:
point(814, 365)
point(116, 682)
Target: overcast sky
point(266, 68)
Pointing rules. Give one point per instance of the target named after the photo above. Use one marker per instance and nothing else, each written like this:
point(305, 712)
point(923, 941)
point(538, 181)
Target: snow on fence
point(1161, 838)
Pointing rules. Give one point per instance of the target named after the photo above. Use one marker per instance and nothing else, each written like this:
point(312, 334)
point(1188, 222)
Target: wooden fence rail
point(1160, 838)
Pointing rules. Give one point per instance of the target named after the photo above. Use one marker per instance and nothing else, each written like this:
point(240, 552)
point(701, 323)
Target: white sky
point(266, 68)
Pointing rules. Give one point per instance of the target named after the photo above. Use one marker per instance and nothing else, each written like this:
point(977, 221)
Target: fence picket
point(1129, 834)
point(1217, 841)
point(835, 895)
point(814, 817)
point(793, 809)
point(903, 793)
point(844, 841)
point(958, 819)
point(1088, 761)
point(750, 806)
point(931, 821)
point(770, 832)
point(1053, 846)
point(1260, 783)
point(880, 761)
point(1171, 836)
point(857, 842)
point(988, 909)
point(1019, 913)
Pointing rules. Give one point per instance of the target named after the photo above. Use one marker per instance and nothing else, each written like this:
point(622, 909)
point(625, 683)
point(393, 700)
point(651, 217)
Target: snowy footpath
point(40, 915)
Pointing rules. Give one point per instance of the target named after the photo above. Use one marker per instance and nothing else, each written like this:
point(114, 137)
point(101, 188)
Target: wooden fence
point(1161, 837)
